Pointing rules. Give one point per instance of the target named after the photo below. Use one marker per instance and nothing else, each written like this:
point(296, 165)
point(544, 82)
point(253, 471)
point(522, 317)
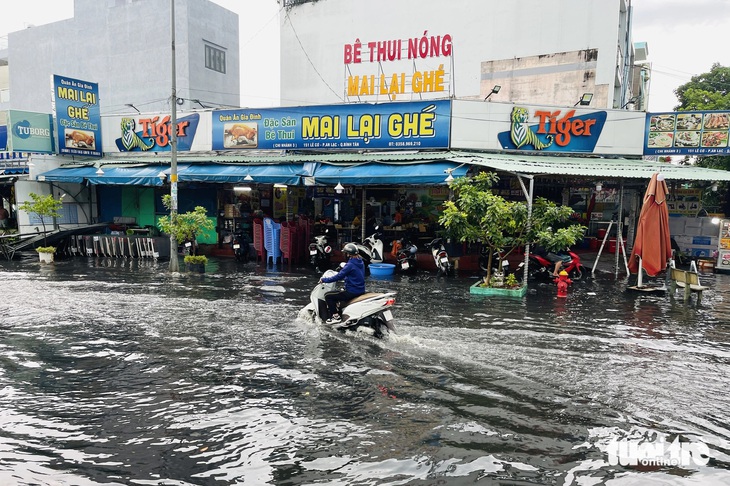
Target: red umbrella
point(653, 243)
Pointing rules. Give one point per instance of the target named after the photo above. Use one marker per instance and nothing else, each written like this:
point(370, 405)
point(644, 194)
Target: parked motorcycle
point(371, 249)
point(405, 255)
point(441, 257)
point(241, 246)
point(320, 252)
point(542, 267)
point(370, 313)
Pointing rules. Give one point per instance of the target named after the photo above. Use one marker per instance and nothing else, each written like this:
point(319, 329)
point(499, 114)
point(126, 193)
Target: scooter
point(320, 252)
point(405, 255)
point(441, 257)
point(240, 245)
point(371, 249)
point(369, 313)
point(542, 267)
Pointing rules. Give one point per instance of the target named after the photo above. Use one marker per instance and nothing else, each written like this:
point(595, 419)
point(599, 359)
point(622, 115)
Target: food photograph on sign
point(662, 123)
point(716, 121)
point(80, 139)
point(714, 139)
point(240, 135)
point(660, 139)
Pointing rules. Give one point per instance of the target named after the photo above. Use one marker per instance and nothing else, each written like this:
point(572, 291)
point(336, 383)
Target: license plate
point(388, 315)
point(236, 247)
point(404, 265)
point(312, 252)
point(444, 260)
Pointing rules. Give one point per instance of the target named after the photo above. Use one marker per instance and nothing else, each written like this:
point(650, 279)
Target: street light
point(339, 188)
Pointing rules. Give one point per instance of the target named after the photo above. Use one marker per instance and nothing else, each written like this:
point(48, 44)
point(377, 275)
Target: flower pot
point(195, 267)
point(477, 289)
point(46, 257)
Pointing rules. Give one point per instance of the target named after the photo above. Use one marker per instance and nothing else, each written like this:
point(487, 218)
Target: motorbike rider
point(353, 273)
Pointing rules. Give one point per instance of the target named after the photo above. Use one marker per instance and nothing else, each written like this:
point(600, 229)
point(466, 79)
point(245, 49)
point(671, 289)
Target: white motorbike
point(441, 257)
point(368, 313)
point(371, 249)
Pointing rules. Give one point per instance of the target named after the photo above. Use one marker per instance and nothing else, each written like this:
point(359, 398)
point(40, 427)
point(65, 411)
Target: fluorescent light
point(241, 188)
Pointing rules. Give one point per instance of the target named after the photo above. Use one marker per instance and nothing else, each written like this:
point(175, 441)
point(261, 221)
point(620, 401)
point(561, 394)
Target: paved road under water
point(116, 372)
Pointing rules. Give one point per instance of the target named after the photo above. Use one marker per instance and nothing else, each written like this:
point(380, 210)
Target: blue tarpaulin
point(371, 173)
point(374, 173)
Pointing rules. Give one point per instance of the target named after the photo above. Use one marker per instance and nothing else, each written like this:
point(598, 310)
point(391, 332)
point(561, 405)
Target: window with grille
point(215, 59)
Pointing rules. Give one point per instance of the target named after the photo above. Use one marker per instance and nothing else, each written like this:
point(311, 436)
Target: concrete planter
point(195, 267)
point(476, 289)
point(46, 257)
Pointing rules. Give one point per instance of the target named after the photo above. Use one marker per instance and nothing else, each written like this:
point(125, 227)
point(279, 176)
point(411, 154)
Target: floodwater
point(117, 372)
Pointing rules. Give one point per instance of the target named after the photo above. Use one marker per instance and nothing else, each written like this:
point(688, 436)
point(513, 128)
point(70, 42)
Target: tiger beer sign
point(545, 129)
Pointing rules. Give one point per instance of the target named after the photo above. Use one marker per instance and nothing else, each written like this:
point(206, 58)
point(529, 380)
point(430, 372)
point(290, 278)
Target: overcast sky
point(685, 37)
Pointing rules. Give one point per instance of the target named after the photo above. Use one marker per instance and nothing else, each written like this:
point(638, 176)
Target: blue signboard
point(687, 133)
point(554, 131)
point(78, 118)
point(391, 126)
point(3, 137)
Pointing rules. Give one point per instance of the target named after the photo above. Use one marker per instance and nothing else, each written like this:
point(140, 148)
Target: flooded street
point(117, 372)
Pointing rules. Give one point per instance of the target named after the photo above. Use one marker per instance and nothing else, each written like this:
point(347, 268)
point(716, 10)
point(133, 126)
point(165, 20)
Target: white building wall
point(313, 36)
point(125, 47)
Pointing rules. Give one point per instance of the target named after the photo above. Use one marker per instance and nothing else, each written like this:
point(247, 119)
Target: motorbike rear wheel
point(577, 273)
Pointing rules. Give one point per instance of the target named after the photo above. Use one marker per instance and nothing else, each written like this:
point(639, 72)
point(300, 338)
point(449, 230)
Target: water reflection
point(118, 372)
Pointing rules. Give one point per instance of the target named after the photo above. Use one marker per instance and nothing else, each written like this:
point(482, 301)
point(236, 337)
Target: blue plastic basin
point(381, 269)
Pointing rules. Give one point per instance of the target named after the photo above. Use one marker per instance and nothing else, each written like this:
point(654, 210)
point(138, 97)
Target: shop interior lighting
point(339, 188)
point(495, 90)
point(599, 186)
point(585, 100)
point(280, 186)
point(99, 172)
point(241, 188)
point(714, 187)
point(162, 176)
point(248, 178)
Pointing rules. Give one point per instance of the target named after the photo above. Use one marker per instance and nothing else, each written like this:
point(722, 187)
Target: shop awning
point(372, 173)
point(289, 174)
point(132, 176)
point(588, 167)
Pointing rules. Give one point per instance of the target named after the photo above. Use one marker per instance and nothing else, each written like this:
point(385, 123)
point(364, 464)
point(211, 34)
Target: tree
point(502, 226)
point(43, 207)
point(185, 226)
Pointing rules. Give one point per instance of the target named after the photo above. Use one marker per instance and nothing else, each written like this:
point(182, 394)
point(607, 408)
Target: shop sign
point(687, 133)
point(30, 132)
point(391, 126)
point(3, 137)
point(552, 130)
point(388, 68)
point(153, 133)
point(78, 118)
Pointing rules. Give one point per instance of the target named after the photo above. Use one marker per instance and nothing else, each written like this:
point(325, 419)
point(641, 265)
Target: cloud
point(676, 14)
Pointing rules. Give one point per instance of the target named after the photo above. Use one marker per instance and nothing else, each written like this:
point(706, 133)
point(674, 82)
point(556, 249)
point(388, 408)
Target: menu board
point(687, 133)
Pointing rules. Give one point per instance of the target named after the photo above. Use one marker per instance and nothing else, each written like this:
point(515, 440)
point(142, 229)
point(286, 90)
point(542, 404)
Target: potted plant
point(502, 226)
point(195, 263)
point(185, 227)
point(43, 207)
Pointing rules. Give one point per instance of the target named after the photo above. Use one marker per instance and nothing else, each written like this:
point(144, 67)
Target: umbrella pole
point(640, 279)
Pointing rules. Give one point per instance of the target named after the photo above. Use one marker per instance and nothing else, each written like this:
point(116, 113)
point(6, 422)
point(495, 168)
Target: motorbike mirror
point(342, 265)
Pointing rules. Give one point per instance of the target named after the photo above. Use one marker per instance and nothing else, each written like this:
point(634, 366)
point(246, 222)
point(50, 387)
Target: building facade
point(125, 47)
point(548, 52)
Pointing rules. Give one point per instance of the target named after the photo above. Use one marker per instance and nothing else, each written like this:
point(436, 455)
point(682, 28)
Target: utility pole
point(174, 263)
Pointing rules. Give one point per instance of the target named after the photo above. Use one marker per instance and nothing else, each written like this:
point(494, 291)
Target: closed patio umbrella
point(652, 246)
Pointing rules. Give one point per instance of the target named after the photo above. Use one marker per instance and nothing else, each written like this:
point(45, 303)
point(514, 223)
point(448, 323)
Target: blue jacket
point(354, 275)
